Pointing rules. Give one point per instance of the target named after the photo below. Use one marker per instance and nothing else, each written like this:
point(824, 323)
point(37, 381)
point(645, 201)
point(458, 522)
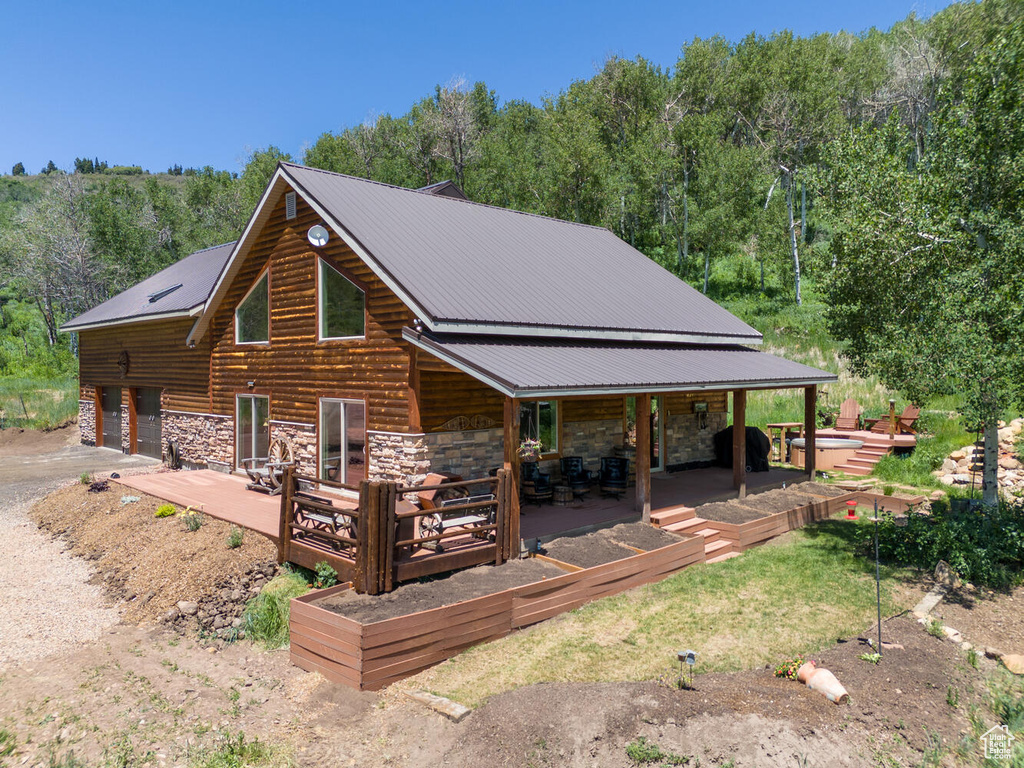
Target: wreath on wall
point(123, 363)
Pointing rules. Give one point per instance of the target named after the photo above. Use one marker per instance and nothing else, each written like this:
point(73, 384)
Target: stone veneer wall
point(302, 438)
point(203, 439)
point(87, 421)
point(591, 439)
point(685, 443)
point(399, 457)
point(126, 435)
point(471, 453)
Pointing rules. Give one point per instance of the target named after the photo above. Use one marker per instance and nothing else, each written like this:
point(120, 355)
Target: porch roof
point(533, 368)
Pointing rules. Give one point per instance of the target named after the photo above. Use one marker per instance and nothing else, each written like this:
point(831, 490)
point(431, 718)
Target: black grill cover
point(758, 448)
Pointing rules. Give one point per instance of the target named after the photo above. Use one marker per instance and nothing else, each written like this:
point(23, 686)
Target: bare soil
point(147, 563)
point(986, 618)
point(32, 442)
point(759, 505)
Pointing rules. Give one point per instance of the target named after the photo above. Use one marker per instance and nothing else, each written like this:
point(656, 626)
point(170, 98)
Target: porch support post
point(810, 427)
point(414, 391)
point(739, 441)
point(512, 465)
point(643, 456)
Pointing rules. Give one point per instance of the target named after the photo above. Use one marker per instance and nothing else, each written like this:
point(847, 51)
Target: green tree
point(18, 169)
point(259, 168)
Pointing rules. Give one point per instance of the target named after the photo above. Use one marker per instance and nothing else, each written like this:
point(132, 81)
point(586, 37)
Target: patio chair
point(266, 474)
point(537, 486)
point(904, 422)
point(849, 415)
point(575, 475)
point(614, 476)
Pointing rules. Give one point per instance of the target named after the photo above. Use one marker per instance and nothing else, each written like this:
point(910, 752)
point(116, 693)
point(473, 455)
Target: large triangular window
point(252, 317)
point(342, 305)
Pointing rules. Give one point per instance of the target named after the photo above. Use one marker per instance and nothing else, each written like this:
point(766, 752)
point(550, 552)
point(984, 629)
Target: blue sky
point(200, 83)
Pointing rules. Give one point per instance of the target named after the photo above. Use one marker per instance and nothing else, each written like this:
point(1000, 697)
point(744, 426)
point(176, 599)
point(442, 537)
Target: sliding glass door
point(342, 440)
point(253, 427)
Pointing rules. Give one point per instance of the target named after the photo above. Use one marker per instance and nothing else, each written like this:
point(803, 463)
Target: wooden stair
point(684, 521)
point(864, 460)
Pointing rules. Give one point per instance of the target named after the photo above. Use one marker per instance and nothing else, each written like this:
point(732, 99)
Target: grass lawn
point(37, 403)
point(795, 595)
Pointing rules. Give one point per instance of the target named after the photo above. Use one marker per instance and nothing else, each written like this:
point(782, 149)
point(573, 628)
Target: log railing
point(377, 544)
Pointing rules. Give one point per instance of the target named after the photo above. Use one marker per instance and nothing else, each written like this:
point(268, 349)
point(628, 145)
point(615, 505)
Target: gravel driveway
point(45, 598)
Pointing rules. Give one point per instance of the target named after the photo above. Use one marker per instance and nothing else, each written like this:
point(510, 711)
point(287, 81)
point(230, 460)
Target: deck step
point(866, 461)
point(710, 535)
point(720, 558)
point(664, 517)
point(716, 548)
point(854, 469)
point(687, 527)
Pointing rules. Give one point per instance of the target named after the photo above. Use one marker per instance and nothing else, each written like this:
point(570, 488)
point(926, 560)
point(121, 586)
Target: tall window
point(342, 440)
point(538, 420)
point(253, 425)
point(342, 305)
point(252, 317)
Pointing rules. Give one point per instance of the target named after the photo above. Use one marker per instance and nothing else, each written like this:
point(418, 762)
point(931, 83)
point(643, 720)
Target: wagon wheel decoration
point(279, 455)
point(431, 525)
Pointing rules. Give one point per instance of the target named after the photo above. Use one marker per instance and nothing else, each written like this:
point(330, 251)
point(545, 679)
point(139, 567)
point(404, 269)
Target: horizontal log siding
point(443, 396)
point(682, 402)
point(295, 368)
point(593, 409)
point(157, 357)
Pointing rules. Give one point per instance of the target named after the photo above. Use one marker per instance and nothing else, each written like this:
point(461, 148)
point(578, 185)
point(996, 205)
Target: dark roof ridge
point(465, 201)
point(201, 250)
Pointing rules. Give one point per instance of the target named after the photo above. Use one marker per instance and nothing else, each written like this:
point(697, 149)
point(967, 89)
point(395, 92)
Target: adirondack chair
point(904, 422)
point(849, 415)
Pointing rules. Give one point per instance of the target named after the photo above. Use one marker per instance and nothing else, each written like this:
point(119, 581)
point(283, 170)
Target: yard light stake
point(878, 583)
point(690, 659)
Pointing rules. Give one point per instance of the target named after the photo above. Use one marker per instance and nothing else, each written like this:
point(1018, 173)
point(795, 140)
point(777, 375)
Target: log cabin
point(386, 333)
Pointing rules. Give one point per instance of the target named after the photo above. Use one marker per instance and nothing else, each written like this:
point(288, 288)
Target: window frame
point(321, 294)
point(556, 427)
point(265, 274)
point(343, 474)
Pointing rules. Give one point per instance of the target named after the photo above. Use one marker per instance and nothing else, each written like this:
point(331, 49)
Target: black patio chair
point(537, 485)
point(575, 475)
point(614, 476)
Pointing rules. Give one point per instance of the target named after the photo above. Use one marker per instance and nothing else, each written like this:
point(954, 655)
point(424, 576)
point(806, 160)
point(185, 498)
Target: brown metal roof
point(172, 292)
point(529, 367)
point(475, 268)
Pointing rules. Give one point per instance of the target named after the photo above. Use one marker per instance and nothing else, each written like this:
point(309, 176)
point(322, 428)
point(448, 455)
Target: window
point(538, 420)
point(252, 318)
point(342, 305)
point(253, 426)
point(342, 440)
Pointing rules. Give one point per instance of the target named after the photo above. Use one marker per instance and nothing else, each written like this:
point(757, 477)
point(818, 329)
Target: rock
point(947, 480)
point(236, 595)
point(235, 623)
point(992, 653)
point(148, 596)
point(936, 495)
point(172, 615)
point(1008, 462)
point(1014, 662)
point(188, 608)
point(946, 575)
point(948, 466)
point(958, 455)
point(952, 634)
point(961, 479)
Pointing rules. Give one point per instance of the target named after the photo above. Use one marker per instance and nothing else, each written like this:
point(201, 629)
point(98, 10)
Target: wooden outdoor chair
point(849, 415)
point(316, 519)
point(904, 422)
point(447, 513)
point(266, 474)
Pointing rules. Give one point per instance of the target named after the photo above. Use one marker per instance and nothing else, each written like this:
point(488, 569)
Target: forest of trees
point(748, 168)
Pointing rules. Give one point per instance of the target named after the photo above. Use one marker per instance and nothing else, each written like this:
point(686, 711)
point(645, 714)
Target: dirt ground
point(31, 442)
point(760, 505)
point(146, 696)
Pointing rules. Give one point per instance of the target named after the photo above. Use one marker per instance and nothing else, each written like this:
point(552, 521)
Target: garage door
point(147, 424)
point(110, 403)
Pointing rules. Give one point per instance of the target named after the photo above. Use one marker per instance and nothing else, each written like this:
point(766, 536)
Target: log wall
point(295, 368)
point(157, 357)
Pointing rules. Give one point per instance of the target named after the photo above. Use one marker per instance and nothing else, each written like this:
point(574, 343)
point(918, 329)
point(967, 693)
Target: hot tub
point(830, 452)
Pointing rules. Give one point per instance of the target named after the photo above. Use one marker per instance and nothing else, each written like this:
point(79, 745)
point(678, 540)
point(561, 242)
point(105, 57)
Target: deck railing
point(379, 543)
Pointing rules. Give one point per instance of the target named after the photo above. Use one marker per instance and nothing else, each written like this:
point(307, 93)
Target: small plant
point(234, 751)
point(887, 490)
point(194, 519)
point(952, 696)
point(644, 752)
point(972, 657)
point(788, 668)
point(266, 615)
point(166, 510)
point(7, 744)
point(934, 628)
point(235, 537)
point(85, 478)
point(326, 576)
point(871, 658)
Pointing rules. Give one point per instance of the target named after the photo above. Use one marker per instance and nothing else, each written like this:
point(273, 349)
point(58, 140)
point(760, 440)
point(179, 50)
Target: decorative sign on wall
point(123, 362)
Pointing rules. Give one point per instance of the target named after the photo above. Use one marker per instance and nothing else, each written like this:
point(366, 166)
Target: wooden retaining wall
point(371, 656)
point(746, 535)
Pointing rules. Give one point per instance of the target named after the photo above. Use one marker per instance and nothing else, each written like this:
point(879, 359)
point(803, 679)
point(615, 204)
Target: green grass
point(266, 616)
point(235, 751)
point(941, 433)
point(33, 403)
point(794, 596)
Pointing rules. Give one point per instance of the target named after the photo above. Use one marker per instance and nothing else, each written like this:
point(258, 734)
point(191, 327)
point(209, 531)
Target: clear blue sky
point(200, 83)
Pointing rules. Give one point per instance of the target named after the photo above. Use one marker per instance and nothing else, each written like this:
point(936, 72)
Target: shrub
point(326, 576)
point(194, 519)
point(984, 546)
point(235, 538)
point(266, 615)
point(84, 478)
point(166, 510)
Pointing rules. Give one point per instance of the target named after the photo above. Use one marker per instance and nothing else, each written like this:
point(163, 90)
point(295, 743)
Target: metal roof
point(529, 367)
point(475, 268)
point(172, 292)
